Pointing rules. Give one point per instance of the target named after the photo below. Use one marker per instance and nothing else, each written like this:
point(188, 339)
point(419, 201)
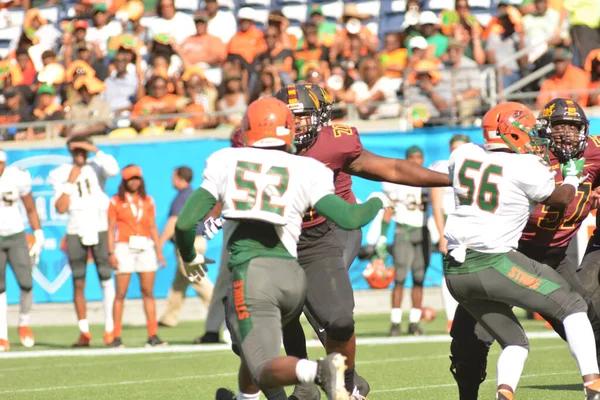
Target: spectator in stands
point(36, 26)
point(276, 54)
point(566, 77)
point(25, 66)
point(182, 179)
point(543, 27)
point(309, 50)
point(92, 54)
point(175, 23)
point(158, 102)
point(460, 85)
point(135, 11)
point(201, 97)
point(122, 86)
point(89, 108)
point(354, 33)
point(233, 102)
point(248, 41)
point(351, 60)
point(47, 110)
point(314, 75)
point(133, 247)
point(501, 47)
point(461, 15)
point(221, 24)
point(268, 83)
point(14, 111)
point(80, 28)
point(593, 68)
point(103, 28)
point(10, 74)
point(373, 88)
point(203, 47)
point(326, 30)
point(427, 27)
point(470, 35)
point(393, 57)
point(418, 50)
point(281, 23)
point(48, 57)
point(422, 94)
point(585, 24)
point(165, 56)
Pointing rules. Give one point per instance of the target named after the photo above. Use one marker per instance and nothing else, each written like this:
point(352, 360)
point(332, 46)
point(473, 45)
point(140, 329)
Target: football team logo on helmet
point(305, 105)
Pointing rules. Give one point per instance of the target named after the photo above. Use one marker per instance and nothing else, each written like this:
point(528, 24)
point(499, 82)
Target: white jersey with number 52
point(267, 185)
point(495, 193)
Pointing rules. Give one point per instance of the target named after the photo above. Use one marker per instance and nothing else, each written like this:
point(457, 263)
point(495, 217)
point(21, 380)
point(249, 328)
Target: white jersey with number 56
point(266, 185)
point(495, 193)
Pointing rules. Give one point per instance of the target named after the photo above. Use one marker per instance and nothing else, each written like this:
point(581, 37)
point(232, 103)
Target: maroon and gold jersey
point(336, 146)
point(554, 226)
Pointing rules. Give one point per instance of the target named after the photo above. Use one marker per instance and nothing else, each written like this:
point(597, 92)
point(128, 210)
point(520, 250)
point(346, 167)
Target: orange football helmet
point(378, 276)
point(512, 126)
point(268, 122)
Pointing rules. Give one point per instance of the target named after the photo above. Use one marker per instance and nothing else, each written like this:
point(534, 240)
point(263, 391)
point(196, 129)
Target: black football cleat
point(395, 330)
point(330, 376)
point(305, 391)
point(414, 329)
point(224, 394)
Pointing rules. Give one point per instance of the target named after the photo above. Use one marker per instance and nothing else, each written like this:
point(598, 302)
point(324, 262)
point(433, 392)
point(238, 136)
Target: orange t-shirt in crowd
point(133, 217)
point(247, 44)
point(345, 37)
point(574, 79)
point(147, 104)
point(200, 48)
point(397, 58)
point(198, 110)
point(594, 97)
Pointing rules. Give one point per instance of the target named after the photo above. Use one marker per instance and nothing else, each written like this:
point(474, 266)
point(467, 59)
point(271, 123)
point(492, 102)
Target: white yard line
point(368, 341)
point(91, 385)
point(443, 385)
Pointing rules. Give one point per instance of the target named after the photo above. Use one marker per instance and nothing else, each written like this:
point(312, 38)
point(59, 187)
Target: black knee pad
point(468, 366)
point(341, 328)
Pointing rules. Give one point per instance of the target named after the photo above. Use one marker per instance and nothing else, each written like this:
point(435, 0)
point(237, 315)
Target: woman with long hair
point(132, 239)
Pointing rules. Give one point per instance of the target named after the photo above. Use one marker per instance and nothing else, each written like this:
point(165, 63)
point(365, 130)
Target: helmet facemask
point(522, 139)
point(567, 138)
point(308, 126)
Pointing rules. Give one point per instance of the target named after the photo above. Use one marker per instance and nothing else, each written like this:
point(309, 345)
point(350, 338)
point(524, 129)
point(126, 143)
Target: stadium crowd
point(111, 61)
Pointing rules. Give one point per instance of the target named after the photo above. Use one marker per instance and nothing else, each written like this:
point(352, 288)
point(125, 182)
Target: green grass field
point(416, 370)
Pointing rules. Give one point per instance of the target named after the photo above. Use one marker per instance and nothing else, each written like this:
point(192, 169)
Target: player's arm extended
point(346, 215)
point(562, 196)
point(377, 168)
point(196, 208)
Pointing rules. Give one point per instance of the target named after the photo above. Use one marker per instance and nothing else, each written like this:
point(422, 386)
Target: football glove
point(212, 226)
point(381, 247)
point(196, 269)
point(572, 172)
point(36, 248)
point(387, 203)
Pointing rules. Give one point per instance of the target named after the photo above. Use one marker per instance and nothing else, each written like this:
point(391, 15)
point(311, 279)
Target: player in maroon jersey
point(330, 298)
point(545, 238)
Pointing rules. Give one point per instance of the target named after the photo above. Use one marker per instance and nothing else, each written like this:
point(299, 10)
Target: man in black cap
point(13, 111)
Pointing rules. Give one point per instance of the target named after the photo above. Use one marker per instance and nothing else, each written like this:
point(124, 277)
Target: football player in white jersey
point(264, 191)
point(15, 187)
point(496, 189)
point(442, 204)
point(79, 193)
point(411, 248)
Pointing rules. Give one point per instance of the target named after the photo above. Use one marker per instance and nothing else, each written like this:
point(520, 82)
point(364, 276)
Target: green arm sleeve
point(384, 227)
point(346, 215)
point(195, 210)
